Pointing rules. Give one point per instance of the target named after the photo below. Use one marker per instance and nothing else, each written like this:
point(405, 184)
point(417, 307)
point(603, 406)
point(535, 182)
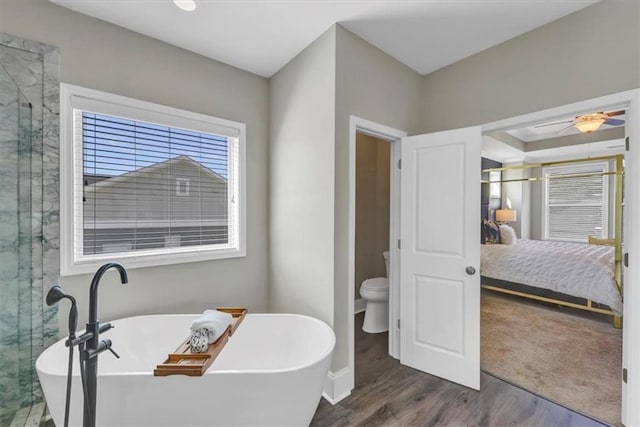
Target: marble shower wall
point(29, 214)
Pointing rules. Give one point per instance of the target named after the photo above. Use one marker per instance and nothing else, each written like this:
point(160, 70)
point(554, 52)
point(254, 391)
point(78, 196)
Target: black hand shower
point(54, 295)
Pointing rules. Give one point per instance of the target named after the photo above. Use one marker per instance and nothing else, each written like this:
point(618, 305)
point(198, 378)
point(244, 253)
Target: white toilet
point(376, 292)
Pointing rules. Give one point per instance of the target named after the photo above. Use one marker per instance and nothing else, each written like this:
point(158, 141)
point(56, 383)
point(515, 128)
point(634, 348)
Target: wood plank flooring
point(390, 394)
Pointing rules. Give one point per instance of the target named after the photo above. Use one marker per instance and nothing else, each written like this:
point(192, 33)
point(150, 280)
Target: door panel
point(440, 226)
point(441, 326)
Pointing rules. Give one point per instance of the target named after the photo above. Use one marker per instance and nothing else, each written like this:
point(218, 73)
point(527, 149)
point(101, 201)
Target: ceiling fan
point(590, 122)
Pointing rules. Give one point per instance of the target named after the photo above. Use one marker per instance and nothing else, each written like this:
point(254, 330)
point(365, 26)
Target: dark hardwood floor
point(389, 394)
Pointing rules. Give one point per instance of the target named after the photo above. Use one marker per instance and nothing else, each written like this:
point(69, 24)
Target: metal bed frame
point(557, 298)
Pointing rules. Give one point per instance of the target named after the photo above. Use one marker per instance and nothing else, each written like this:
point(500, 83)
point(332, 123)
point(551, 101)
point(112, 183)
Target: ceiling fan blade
point(553, 124)
point(616, 113)
point(614, 122)
point(563, 129)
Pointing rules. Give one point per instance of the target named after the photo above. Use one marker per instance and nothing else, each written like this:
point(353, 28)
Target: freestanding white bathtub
point(270, 373)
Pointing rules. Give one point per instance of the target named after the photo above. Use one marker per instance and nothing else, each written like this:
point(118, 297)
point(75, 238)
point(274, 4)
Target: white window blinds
point(576, 202)
point(147, 188)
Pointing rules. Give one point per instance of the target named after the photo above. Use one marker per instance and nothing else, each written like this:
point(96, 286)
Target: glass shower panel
point(16, 382)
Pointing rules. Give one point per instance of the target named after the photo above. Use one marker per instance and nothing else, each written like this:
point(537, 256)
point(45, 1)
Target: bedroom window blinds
point(151, 185)
point(576, 202)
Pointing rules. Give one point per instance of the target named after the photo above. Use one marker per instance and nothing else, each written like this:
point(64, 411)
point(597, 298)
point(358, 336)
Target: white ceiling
point(503, 153)
point(261, 36)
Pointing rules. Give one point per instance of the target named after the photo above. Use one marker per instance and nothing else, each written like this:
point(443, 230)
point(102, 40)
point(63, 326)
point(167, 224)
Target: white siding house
point(178, 202)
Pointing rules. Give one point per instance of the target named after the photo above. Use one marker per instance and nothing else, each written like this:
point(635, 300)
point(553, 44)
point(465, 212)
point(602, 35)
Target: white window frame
point(179, 182)
point(76, 97)
point(545, 200)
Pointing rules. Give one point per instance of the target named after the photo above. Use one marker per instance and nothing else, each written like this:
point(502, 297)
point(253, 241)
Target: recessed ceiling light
point(186, 5)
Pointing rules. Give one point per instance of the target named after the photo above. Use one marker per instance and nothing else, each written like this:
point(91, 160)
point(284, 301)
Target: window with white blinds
point(576, 201)
point(148, 185)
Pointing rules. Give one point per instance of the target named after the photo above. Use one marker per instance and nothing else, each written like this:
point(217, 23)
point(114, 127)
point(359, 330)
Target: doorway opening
point(382, 144)
point(373, 211)
point(559, 190)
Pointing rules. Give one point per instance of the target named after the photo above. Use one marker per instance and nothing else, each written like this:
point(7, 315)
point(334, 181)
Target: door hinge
point(399, 328)
point(399, 163)
point(398, 243)
point(626, 143)
point(626, 259)
point(624, 375)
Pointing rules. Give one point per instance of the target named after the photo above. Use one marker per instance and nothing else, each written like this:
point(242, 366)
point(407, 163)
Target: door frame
point(631, 319)
point(377, 130)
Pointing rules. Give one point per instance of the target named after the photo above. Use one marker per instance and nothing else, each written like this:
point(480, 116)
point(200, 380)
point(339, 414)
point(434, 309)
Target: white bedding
point(577, 269)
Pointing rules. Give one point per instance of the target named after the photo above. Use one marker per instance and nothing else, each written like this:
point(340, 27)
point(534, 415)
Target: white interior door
point(440, 255)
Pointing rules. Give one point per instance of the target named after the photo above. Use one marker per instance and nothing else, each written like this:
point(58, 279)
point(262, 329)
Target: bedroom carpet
point(571, 358)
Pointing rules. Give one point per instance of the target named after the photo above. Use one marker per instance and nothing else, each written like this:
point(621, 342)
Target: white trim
point(630, 100)
point(394, 252)
point(360, 305)
point(179, 191)
point(604, 103)
point(631, 319)
point(72, 97)
point(337, 386)
point(357, 124)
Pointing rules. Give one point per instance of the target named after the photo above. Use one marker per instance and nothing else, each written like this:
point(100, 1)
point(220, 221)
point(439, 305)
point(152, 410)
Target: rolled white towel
point(215, 322)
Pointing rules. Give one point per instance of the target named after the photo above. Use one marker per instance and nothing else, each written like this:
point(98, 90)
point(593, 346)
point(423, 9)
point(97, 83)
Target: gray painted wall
point(301, 188)
point(372, 85)
point(590, 53)
point(309, 168)
point(105, 57)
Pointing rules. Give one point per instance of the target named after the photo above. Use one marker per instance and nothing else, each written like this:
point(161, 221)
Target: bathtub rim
point(294, 368)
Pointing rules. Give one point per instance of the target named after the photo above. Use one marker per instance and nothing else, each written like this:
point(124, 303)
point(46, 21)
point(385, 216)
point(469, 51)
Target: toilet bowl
point(376, 293)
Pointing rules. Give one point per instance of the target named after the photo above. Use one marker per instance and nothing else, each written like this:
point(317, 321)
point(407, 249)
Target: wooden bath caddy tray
point(184, 362)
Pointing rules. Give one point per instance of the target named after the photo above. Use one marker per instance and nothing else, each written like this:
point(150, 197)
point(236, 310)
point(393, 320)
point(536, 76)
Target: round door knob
point(470, 271)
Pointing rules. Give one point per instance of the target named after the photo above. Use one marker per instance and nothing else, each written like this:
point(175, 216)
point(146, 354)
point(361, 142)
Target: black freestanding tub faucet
point(95, 346)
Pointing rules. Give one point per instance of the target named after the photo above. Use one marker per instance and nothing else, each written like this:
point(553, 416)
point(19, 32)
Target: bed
point(587, 276)
point(578, 270)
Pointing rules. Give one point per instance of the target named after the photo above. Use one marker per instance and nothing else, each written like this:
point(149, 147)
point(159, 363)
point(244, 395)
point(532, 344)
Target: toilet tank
point(385, 254)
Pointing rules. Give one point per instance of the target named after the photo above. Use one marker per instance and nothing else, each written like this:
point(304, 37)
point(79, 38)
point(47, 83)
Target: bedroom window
point(576, 202)
point(146, 185)
point(495, 185)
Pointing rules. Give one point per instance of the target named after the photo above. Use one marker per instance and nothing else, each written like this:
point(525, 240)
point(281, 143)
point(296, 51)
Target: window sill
point(133, 261)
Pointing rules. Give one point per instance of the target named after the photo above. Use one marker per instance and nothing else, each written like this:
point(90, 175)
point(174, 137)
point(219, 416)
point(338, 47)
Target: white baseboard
point(360, 305)
point(337, 386)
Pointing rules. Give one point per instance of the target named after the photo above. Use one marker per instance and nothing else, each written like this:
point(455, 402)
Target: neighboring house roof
point(92, 179)
point(105, 181)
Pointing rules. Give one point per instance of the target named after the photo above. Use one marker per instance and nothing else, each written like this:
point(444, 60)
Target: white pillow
point(507, 235)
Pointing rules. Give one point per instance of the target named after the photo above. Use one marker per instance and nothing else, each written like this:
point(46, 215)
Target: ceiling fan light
point(186, 5)
point(590, 122)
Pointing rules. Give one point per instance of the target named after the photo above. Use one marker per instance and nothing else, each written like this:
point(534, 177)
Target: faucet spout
point(95, 346)
point(93, 291)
